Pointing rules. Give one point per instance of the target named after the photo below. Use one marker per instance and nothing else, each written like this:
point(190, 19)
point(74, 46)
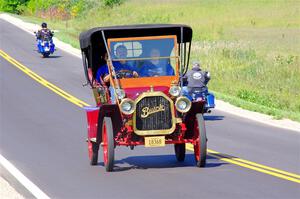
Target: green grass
point(276, 113)
point(251, 48)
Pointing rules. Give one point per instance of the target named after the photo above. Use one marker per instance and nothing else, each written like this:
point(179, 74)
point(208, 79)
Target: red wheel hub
point(197, 145)
point(90, 149)
point(104, 144)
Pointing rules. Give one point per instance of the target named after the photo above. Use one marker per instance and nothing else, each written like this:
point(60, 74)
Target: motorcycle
point(198, 94)
point(45, 45)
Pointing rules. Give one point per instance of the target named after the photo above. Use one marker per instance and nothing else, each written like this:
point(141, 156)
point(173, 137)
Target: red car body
point(148, 110)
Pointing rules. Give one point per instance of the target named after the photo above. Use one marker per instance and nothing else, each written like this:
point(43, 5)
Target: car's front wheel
point(200, 148)
point(108, 144)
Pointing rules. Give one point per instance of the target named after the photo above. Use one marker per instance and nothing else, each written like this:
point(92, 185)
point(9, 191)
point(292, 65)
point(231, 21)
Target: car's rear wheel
point(93, 156)
point(108, 144)
point(180, 152)
point(200, 148)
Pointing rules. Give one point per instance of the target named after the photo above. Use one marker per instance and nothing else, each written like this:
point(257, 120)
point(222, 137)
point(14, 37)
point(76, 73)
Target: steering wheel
point(154, 72)
point(124, 74)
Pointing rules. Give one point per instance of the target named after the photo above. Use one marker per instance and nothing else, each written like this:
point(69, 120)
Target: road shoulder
point(10, 187)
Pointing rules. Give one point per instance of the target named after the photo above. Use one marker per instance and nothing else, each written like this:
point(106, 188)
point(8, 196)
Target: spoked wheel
point(108, 144)
point(180, 152)
point(200, 148)
point(93, 154)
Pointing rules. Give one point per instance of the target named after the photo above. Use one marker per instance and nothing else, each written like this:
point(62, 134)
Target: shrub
point(13, 6)
point(69, 8)
point(112, 3)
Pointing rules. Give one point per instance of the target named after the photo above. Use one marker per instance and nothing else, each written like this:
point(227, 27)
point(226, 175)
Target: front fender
point(112, 111)
point(189, 118)
point(92, 122)
point(40, 47)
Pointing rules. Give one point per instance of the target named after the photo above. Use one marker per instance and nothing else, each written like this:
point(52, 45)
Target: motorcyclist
point(45, 43)
point(44, 32)
point(195, 80)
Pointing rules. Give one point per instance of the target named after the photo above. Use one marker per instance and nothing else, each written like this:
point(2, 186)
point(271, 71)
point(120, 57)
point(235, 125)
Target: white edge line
point(30, 186)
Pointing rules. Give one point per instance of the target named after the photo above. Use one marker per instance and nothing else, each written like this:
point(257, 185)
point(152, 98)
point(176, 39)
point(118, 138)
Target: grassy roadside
point(276, 113)
point(251, 48)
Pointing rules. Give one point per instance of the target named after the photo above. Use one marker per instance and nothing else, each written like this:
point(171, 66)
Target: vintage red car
point(138, 90)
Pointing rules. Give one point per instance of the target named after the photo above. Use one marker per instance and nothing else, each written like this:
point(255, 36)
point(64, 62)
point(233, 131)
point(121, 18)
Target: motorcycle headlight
point(183, 104)
point(127, 106)
point(120, 93)
point(175, 91)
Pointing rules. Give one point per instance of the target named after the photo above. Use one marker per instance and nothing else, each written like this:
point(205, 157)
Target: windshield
point(144, 56)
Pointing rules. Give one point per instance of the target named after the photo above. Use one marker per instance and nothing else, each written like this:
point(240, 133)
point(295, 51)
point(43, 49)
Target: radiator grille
point(153, 113)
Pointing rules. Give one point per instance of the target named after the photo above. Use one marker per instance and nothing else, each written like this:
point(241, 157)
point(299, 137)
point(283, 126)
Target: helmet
point(44, 25)
point(196, 64)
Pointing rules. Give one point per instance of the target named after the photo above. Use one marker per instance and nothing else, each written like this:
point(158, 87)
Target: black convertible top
point(94, 36)
point(93, 47)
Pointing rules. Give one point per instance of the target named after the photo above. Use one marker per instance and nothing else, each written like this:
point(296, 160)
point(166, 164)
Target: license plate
point(155, 141)
point(47, 49)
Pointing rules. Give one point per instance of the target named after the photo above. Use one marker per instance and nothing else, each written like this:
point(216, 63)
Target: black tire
point(45, 55)
point(179, 152)
point(109, 163)
point(94, 158)
point(202, 141)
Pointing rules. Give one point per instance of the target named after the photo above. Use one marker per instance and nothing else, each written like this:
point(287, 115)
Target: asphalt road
point(43, 135)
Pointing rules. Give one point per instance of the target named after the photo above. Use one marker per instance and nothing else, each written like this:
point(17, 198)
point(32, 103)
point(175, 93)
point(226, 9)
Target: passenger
point(156, 66)
point(102, 72)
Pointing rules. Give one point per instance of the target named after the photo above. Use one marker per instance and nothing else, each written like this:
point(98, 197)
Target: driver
point(119, 66)
point(103, 72)
point(44, 32)
point(156, 66)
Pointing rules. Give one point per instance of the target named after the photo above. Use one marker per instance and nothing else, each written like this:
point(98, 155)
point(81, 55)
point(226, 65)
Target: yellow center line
point(251, 165)
point(254, 164)
point(43, 81)
point(224, 157)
